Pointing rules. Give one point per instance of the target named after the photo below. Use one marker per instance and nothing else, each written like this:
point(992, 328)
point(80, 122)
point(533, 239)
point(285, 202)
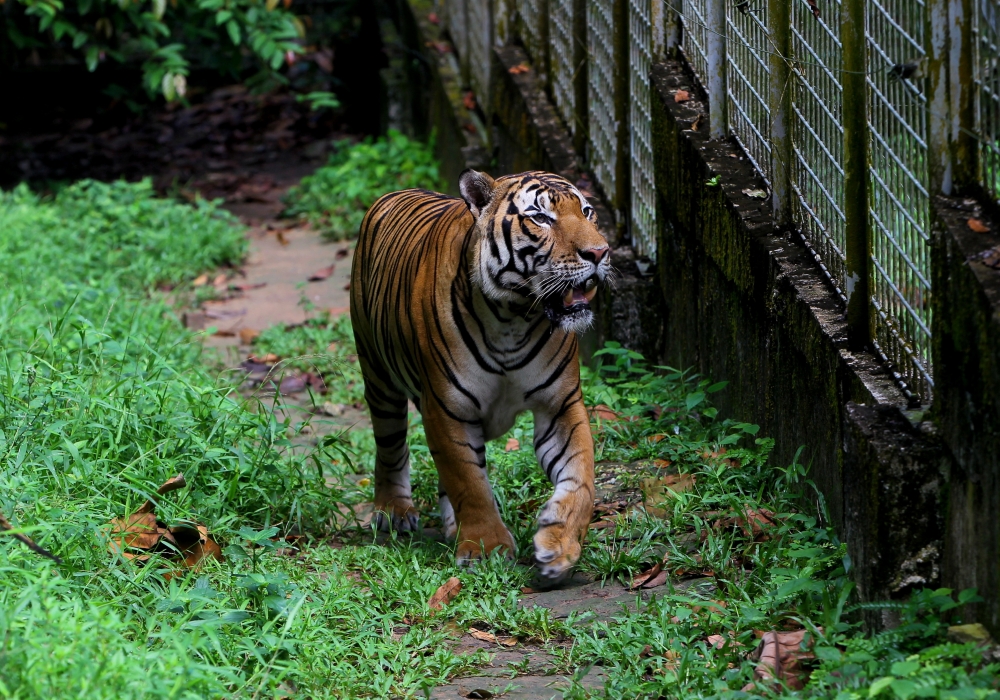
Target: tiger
point(470, 308)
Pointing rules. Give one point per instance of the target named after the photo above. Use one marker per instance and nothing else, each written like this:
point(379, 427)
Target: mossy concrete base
point(966, 333)
point(746, 301)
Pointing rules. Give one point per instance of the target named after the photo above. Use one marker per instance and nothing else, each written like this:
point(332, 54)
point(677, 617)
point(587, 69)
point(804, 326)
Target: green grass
point(103, 395)
point(335, 198)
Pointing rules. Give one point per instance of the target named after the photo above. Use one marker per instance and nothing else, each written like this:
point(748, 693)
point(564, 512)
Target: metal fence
point(777, 74)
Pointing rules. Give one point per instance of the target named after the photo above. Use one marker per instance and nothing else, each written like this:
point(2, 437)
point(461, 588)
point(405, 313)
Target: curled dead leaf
point(200, 281)
point(682, 96)
point(652, 578)
point(139, 536)
point(321, 275)
point(780, 656)
point(512, 445)
point(492, 638)
point(519, 69)
point(445, 593)
point(978, 226)
point(248, 335)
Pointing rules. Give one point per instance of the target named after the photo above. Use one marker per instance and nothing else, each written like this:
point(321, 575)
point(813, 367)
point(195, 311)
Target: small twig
point(30, 543)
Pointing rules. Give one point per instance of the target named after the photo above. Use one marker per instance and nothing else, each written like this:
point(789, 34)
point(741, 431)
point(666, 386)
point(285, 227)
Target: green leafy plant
point(168, 39)
point(335, 198)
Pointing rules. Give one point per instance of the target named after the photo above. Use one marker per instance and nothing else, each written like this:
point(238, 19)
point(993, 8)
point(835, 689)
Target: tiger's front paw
point(476, 543)
point(557, 550)
point(397, 514)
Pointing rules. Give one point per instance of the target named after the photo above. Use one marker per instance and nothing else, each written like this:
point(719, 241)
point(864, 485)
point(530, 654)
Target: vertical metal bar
point(856, 178)
point(658, 12)
point(718, 121)
point(671, 28)
point(965, 148)
point(779, 15)
point(580, 63)
point(939, 148)
point(623, 162)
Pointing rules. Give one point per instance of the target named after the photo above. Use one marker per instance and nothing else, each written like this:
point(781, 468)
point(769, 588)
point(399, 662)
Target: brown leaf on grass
point(604, 413)
point(659, 490)
point(492, 638)
point(527, 590)
point(248, 335)
point(220, 280)
point(682, 96)
point(321, 275)
point(661, 463)
point(978, 226)
point(445, 593)
point(5, 526)
point(602, 524)
point(656, 576)
point(200, 281)
point(752, 522)
point(268, 359)
point(656, 438)
point(186, 545)
point(512, 445)
point(780, 656)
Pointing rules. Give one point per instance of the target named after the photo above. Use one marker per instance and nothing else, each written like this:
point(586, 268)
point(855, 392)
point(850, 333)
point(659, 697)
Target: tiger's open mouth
point(575, 300)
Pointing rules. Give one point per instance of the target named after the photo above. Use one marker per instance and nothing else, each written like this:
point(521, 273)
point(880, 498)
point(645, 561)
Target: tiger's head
point(538, 242)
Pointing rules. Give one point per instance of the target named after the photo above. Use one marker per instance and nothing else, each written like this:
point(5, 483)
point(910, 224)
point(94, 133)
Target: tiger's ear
point(476, 189)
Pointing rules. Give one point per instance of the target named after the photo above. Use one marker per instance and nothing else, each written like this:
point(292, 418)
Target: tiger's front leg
point(459, 453)
point(565, 450)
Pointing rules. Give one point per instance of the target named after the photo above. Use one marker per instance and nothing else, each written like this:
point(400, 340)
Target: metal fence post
point(718, 121)
point(779, 15)
point(856, 174)
point(939, 151)
point(621, 75)
point(580, 63)
point(671, 28)
point(962, 114)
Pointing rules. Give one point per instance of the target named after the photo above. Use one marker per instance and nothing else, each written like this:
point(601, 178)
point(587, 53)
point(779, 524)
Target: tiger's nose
point(595, 255)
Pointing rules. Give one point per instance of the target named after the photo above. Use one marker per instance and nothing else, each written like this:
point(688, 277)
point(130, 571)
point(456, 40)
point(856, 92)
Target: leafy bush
point(167, 38)
point(335, 198)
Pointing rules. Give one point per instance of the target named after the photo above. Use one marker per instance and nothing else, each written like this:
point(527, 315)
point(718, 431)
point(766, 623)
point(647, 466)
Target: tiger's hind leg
point(393, 496)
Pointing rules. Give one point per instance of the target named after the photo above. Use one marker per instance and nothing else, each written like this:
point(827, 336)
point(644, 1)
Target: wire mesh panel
point(602, 143)
point(899, 203)
point(640, 120)
point(817, 132)
point(694, 43)
point(988, 83)
point(480, 28)
point(532, 24)
point(748, 79)
point(561, 60)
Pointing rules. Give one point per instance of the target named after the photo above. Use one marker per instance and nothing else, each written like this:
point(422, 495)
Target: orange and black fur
point(470, 308)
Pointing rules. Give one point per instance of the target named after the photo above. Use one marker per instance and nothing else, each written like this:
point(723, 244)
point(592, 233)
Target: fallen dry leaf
point(978, 226)
point(469, 100)
point(200, 281)
point(779, 656)
point(604, 413)
point(321, 275)
point(492, 638)
point(656, 576)
point(293, 384)
point(661, 463)
point(219, 280)
point(518, 69)
point(445, 593)
point(682, 96)
point(247, 335)
point(512, 445)
point(145, 535)
point(696, 123)
point(247, 286)
point(223, 333)
point(659, 490)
